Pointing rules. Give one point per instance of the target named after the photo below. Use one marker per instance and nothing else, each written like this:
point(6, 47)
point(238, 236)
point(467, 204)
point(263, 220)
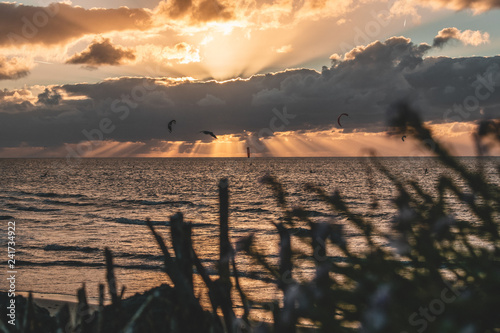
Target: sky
point(100, 79)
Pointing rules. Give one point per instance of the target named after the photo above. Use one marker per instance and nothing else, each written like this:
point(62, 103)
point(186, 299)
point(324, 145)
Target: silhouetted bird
point(208, 133)
point(425, 171)
point(172, 122)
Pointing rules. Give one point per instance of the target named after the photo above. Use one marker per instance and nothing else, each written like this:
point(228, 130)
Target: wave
point(57, 195)
point(88, 249)
point(67, 203)
point(252, 210)
point(10, 198)
point(142, 256)
point(124, 220)
point(51, 196)
point(77, 263)
point(85, 249)
point(354, 203)
point(314, 213)
point(45, 194)
point(31, 208)
point(375, 215)
point(164, 202)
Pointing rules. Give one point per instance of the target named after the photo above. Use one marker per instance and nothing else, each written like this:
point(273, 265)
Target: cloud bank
point(363, 84)
point(258, 14)
point(60, 23)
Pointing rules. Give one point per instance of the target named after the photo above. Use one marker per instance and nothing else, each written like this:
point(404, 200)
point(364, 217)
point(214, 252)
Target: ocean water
point(66, 214)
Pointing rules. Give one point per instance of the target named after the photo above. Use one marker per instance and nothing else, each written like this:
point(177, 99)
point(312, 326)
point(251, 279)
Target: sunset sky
point(94, 79)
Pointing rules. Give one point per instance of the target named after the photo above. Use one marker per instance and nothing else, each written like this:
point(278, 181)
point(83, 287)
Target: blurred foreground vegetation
point(441, 274)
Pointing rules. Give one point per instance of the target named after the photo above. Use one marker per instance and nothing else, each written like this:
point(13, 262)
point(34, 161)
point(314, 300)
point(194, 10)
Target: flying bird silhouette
point(338, 119)
point(170, 123)
point(403, 138)
point(208, 133)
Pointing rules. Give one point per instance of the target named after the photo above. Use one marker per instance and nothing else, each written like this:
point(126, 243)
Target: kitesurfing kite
point(208, 133)
point(171, 122)
point(403, 138)
point(338, 119)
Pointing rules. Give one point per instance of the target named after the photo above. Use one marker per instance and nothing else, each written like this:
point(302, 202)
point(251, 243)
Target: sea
point(66, 213)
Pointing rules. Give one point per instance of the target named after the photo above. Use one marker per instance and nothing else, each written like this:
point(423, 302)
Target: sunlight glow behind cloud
point(142, 56)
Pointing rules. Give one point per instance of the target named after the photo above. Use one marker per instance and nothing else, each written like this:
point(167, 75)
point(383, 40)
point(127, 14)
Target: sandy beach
point(53, 303)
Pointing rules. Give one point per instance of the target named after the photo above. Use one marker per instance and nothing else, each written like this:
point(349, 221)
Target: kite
point(208, 133)
point(171, 122)
point(338, 119)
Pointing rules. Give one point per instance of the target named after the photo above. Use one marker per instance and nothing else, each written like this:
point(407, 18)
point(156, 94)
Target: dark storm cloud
point(13, 68)
point(60, 23)
point(102, 52)
point(49, 97)
point(363, 84)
